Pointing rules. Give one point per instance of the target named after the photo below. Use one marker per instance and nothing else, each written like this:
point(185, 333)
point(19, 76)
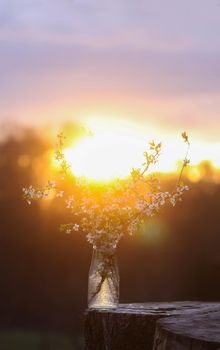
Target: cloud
point(169, 25)
point(162, 55)
point(135, 72)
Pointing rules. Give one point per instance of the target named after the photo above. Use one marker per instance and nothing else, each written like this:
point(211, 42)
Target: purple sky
point(156, 61)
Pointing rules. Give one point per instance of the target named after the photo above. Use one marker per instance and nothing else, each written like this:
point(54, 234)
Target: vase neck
point(101, 252)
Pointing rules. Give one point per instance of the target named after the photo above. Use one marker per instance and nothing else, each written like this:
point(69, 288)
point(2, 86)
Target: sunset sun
point(105, 155)
point(111, 151)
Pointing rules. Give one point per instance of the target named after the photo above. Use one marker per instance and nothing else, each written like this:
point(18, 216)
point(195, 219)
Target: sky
point(153, 62)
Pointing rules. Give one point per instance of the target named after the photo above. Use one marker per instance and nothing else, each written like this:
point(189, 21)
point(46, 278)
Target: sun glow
point(113, 149)
point(104, 156)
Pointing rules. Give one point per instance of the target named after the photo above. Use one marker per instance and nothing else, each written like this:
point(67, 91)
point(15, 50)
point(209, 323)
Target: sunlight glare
point(105, 156)
point(114, 149)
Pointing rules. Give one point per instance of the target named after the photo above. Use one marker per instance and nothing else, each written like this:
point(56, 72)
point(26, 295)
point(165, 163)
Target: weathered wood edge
point(200, 331)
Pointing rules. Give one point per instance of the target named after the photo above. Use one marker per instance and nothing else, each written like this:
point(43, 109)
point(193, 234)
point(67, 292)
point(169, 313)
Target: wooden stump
point(199, 332)
point(133, 326)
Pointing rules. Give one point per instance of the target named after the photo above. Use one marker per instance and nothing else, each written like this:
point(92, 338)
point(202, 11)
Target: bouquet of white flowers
point(106, 212)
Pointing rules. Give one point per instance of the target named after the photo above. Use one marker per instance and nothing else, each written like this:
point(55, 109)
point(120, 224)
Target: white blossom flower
point(75, 227)
point(173, 201)
point(69, 202)
point(60, 194)
point(52, 184)
point(140, 205)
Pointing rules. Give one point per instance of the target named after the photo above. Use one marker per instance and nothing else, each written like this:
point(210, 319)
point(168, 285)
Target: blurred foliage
point(37, 341)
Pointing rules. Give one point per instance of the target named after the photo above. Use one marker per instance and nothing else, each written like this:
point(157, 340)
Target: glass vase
point(103, 284)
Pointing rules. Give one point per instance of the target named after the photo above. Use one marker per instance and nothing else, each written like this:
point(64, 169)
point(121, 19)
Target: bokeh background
point(152, 67)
